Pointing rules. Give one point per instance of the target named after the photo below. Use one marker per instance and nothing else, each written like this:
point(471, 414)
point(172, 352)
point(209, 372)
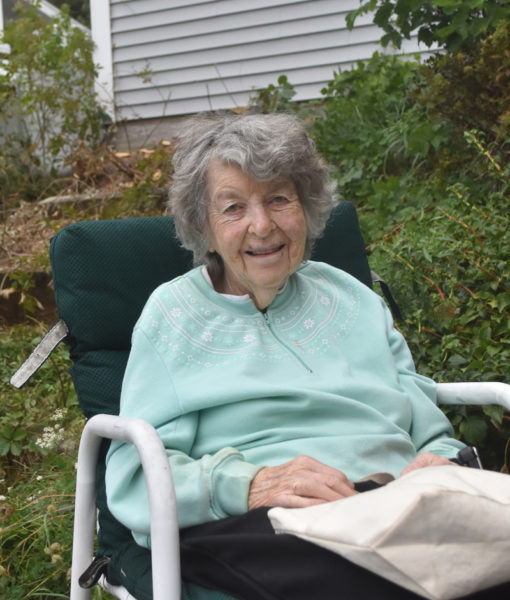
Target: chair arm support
point(491, 392)
point(163, 507)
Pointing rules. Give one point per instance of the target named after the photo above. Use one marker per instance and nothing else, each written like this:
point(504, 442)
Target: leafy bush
point(378, 138)
point(47, 99)
point(274, 98)
point(433, 199)
point(471, 89)
point(454, 24)
point(448, 268)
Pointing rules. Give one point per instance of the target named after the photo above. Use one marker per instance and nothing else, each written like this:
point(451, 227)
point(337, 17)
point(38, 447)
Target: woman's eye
point(279, 200)
point(232, 208)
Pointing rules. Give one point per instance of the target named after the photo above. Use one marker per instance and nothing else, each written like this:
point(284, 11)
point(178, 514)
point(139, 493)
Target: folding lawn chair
point(103, 273)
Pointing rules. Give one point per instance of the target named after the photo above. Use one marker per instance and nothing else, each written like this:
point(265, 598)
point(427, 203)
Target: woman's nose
point(261, 223)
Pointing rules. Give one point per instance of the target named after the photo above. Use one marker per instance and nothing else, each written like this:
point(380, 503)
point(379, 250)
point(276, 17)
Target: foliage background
point(423, 151)
point(48, 106)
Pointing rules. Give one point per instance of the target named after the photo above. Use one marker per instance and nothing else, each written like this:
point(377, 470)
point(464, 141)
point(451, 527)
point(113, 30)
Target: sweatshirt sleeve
point(431, 430)
point(208, 488)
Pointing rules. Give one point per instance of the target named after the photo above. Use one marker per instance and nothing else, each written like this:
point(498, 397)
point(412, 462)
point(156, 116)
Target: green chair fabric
point(103, 273)
point(342, 244)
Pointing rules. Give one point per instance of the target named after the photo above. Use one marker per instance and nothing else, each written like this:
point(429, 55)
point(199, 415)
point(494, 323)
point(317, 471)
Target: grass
point(37, 476)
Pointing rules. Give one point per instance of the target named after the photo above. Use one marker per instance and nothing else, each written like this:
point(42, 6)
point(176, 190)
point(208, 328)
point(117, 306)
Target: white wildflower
point(59, 414)
point(51, 437)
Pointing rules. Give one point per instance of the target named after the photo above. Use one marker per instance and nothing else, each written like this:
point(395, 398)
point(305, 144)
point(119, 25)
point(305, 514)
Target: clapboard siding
point(201, 9)
point(261, 66)
point(166, 26)
point(210, 55)
point(244, 35)
point(284, 51)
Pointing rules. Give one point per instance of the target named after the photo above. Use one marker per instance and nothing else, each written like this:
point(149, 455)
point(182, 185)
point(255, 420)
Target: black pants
point(242, 556)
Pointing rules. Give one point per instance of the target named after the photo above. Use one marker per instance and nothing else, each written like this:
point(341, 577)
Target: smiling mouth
point(265, 251)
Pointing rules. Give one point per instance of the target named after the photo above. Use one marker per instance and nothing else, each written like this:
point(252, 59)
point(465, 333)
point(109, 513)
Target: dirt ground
point(98, 177)
point(24, 241)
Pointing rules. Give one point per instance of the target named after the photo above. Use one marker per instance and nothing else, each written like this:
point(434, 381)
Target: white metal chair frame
point(163, 507)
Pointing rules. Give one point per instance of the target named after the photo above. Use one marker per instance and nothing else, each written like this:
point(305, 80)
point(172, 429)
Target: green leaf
point(494, 412)
point(19, 435)
point(502, 301)
point(474, 430)
point(456, 360)
point(7, 431)
point(4, 446)
point(15, 448)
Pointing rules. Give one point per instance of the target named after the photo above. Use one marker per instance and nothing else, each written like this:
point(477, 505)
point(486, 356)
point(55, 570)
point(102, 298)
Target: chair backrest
point(103, 273)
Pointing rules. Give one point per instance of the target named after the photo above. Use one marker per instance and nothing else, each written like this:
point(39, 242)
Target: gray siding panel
point(194, 10)
point(165, 25)
point(205, 55)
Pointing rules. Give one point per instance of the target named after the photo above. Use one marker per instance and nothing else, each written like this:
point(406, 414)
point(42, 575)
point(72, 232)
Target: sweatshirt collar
point(243, 301)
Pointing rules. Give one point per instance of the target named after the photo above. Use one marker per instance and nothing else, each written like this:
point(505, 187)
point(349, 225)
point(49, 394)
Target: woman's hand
point(303, 481)
point(427, 459)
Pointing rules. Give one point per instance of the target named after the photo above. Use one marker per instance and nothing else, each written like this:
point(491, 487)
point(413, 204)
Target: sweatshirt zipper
point(289, 349)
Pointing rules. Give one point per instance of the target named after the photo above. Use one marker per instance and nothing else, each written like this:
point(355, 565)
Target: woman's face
point(259, 230)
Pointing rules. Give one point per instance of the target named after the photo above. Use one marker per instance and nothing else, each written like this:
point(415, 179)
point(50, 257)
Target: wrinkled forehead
point(262, 157)
point(230, 176)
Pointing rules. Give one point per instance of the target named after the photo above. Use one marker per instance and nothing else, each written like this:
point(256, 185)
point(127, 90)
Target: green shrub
point(453, 24)
point(47, 99)
point(471, 89)
point(448, 270)
point(378, 138)
point(433, 200)
point(274, 98)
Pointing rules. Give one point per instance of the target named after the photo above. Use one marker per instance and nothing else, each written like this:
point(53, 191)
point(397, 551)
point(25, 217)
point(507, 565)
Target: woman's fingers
point(322, 485)
point(426, 459)
point(302, 481)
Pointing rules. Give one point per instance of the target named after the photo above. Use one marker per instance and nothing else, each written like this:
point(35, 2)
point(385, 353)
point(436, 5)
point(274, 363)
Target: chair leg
point(163, 506)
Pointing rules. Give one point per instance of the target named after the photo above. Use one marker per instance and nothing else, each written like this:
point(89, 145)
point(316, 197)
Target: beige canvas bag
point(442, 532)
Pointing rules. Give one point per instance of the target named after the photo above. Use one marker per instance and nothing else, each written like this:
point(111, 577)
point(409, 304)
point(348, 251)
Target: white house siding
point(212, 54)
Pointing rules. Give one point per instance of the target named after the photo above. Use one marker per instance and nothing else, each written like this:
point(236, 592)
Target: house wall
point(4, 48)
point(179, 57)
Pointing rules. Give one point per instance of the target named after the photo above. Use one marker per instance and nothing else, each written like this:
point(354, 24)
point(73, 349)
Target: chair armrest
point(166, 575)
point(491, 392)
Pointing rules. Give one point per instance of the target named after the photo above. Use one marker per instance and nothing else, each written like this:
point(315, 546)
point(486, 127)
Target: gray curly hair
point(264, 147)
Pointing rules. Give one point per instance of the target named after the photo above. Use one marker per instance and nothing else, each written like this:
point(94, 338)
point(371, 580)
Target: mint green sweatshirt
point(322, 372)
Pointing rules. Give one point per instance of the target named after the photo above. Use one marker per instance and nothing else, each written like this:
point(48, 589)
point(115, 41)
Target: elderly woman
point(271, 379)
